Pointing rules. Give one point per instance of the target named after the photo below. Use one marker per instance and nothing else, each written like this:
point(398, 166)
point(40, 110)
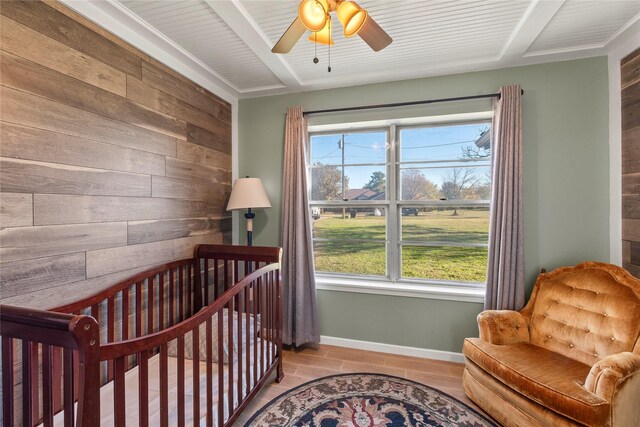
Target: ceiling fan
point(314, 15)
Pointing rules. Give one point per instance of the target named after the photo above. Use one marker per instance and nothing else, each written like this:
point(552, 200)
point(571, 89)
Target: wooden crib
point(187, 343)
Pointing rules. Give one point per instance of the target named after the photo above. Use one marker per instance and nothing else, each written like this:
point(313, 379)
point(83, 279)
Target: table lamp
point(248, 193)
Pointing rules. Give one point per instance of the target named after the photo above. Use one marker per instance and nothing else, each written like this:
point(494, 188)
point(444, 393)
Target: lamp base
point(249, 216)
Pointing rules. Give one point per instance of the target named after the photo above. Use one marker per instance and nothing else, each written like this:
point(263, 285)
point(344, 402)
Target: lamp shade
point(248, 193)
point(352, 17)
point(324, 35)
point(313, 14)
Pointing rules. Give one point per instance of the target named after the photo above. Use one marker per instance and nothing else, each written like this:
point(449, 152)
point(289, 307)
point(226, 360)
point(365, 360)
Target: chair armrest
point(610, 374)
point(503, 327)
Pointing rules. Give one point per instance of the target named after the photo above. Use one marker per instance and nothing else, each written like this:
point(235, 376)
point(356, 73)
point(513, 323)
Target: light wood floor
point(301, 366)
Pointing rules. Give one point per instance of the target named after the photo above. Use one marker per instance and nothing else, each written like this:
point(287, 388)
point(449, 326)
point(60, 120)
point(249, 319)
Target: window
point(402, 203)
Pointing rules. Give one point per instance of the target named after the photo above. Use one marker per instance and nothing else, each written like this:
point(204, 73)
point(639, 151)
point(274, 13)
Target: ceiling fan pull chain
point(329, 67)
point(315, 48)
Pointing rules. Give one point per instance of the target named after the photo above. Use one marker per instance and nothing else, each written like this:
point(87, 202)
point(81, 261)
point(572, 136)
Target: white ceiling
point(232, 39)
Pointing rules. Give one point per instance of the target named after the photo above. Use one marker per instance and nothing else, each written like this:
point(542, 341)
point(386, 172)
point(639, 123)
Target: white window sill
point(403, 289)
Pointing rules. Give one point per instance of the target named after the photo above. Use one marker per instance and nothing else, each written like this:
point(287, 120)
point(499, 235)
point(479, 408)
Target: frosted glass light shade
point(352, 17)
point(248, 193)
point(313, 14)
point(324, 35)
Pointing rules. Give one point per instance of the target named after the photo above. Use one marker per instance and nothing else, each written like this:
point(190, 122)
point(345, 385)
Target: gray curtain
point(299, 287)
point(505, 275)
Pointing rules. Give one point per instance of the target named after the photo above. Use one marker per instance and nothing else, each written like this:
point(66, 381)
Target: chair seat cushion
point(548, 378)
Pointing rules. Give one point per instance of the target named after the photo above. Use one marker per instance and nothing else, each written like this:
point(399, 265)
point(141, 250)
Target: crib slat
point(220, 370)
point(181, 293)
point(262, 324)
point(164, 387)
point(235, 279)
point(196, 375)
point(254, 291)
point(226, 276)
point(76, 375)
point(273, 317)
point(143, 389)
point(68, 387)
point(248, 338)
point(189, 286)
point(161, 301)
point(209, 368)
point(231, 384)
point(56, 379)
point(125, 314)
point(150, 304)
point(269, 328)
point(110, 333)
point(206, 281)
point(47, 400)
point(35, 381)
point(239, 341)
point(181, 395)
point(171, 298)
point(7, 379)
point(260, 353)
point(138, 309)
point(215, 280)
point(119, 405)
point(27, 396)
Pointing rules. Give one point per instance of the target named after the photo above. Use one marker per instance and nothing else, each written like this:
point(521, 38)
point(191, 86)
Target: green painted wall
point(566, 185)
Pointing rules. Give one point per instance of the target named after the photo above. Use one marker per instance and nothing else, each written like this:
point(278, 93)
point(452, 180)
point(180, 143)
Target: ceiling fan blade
point(290, 37)
point(374, 35)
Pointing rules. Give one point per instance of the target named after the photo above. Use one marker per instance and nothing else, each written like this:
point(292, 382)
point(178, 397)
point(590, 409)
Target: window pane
point(464, 182)
point(350, 241)
point(326, 183)
point(365, 182)
point(350, 257)
point(359, 148)
point(462, 264)
point(446, 224)
point(445, 142)
point(356, 224)
point(360, 183)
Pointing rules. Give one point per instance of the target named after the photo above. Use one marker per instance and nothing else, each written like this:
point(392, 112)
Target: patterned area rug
point(366, 400)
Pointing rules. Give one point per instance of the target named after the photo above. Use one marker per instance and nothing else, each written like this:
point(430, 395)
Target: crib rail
point(36, 345)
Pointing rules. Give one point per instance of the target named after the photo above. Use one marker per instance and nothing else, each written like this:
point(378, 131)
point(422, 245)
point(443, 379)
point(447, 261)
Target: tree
point(326, 182)
point(416, 186)
point(377, 182)
point(461, 183)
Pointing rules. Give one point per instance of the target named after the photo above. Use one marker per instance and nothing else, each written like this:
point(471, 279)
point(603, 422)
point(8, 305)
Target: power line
point(328, 154)
point(438, 145)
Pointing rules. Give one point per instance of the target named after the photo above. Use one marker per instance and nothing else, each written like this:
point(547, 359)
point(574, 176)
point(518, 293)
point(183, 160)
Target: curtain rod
point(403, 104)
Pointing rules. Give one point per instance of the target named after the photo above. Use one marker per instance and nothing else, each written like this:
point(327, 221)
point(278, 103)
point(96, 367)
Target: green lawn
point(345, 254)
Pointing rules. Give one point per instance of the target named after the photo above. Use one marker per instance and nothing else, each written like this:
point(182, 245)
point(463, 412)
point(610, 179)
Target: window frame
point(393, 283)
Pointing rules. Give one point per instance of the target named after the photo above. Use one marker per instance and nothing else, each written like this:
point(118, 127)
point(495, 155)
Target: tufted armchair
point(571, 357)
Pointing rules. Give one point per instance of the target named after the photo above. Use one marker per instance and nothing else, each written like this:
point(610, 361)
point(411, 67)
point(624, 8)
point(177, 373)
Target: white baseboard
point(448, 356)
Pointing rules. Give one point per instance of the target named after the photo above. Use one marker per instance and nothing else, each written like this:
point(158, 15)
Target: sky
point(437, 148)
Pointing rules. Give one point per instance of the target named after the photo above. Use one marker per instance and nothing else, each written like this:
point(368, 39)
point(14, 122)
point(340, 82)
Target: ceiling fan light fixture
point(314, 14)
point(352, 17)
point(324, 35)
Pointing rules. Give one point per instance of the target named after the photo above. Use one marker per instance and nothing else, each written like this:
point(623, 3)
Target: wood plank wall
point(110, 162)
point(630, 77)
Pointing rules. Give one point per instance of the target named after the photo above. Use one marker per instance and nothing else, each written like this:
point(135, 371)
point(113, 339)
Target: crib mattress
point(131, 392)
